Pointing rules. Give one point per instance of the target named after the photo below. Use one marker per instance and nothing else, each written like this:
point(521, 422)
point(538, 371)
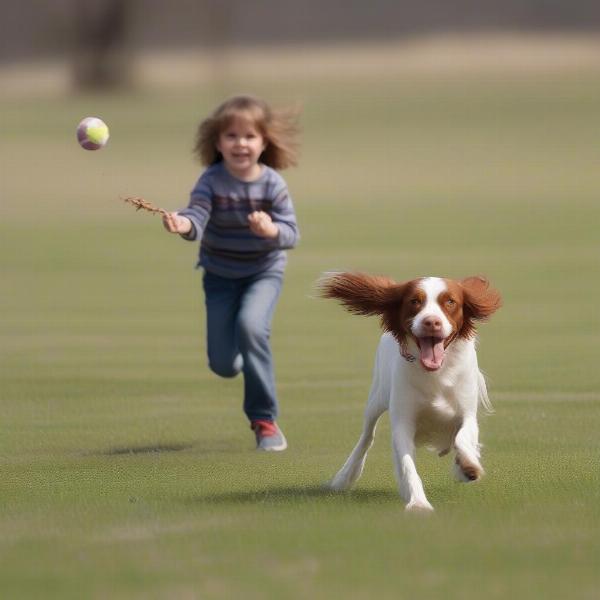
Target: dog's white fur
point(437, 409)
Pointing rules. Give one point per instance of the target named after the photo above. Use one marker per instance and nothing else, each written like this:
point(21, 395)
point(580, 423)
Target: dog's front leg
point(409, 482)
point(349, 474)
point(467, 466)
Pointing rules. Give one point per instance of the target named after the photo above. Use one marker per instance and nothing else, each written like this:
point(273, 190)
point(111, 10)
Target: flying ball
point(92, 133)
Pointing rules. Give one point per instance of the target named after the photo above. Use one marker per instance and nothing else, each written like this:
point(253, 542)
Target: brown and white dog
point(426, 372)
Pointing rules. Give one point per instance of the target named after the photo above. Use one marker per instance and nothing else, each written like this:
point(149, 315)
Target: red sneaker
point(268, 435)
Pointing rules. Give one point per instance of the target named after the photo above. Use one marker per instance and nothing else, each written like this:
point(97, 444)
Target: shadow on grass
point(294, 494)
point(151, 449)
point(223, 446)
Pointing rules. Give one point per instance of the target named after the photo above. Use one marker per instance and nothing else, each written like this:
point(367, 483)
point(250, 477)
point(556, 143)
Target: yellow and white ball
point(92, 133)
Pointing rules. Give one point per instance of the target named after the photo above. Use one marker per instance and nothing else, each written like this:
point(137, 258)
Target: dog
point(426, 372)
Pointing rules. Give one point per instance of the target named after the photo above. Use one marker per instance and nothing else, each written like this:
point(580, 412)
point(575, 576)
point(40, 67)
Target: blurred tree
point(218, 41)
point(101, 59)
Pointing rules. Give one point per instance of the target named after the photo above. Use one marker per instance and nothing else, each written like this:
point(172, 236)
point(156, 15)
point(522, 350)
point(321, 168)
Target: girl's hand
point(175, 223)
point(262, 225)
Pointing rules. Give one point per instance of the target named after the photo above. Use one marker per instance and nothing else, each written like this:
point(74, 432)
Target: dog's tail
point(482, 393)
point(359, 293)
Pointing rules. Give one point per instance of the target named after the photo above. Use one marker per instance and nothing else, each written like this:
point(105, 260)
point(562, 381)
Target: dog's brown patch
point(471, 471)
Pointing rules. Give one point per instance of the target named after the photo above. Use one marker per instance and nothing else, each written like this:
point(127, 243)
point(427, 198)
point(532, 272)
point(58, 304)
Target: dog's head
point(431, 311)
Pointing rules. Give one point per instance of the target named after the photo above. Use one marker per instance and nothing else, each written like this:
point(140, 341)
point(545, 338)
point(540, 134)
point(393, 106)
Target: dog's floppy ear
point(480, 302)
point(359, 293)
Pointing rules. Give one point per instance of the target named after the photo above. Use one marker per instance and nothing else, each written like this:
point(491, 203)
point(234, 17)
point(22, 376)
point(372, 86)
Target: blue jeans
point(238, 327)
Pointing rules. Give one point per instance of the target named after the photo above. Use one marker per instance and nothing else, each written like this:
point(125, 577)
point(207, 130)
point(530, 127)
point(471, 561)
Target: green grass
point(128, 469)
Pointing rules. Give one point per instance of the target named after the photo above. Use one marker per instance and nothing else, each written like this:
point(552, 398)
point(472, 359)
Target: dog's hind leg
point(349, 474)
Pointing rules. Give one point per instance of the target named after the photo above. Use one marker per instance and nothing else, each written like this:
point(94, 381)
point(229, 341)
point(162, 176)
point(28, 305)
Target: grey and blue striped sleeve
point(283, 215)
point(199, 208)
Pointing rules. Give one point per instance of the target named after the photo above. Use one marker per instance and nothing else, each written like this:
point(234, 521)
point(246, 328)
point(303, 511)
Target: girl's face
point(241, 145)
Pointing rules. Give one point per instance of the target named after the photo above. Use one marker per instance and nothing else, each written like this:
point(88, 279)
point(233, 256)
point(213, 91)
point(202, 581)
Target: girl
point(242, 212)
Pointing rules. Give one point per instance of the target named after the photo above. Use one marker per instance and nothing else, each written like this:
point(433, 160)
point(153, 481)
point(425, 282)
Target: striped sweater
point(218, 209)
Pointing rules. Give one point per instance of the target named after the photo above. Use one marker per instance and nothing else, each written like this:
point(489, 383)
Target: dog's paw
point(337, 484)
point(419, 507)
point(466, 471)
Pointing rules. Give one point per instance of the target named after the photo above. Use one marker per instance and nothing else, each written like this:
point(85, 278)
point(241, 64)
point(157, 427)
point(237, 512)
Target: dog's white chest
point(436, 424)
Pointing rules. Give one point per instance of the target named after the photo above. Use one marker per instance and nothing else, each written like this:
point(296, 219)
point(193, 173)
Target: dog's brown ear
point(359, 293)
point(480, 302)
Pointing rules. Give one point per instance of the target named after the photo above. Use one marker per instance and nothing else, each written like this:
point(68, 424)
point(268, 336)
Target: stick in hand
point(172, 222)
point(141, 204)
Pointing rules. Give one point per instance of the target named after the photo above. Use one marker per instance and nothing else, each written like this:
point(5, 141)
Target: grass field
point(127, 468)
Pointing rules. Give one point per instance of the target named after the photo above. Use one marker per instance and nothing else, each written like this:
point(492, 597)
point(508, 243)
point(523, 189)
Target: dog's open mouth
point(432, 352)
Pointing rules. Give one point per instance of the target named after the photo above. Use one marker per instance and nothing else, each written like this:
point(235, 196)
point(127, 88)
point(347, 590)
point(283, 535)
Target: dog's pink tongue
point(432, 352)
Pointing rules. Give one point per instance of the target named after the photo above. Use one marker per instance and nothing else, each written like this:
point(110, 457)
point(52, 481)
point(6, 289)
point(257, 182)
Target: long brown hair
point(278, 127)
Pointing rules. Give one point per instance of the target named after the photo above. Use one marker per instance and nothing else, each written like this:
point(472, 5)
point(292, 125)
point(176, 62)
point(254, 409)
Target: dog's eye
point(415, 302)
point(450, 302)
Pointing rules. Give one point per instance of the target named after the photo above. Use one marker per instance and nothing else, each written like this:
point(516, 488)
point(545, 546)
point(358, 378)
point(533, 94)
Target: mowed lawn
point(127, 468)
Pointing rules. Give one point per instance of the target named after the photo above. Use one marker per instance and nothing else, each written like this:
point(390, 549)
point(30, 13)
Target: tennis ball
point(92, 133)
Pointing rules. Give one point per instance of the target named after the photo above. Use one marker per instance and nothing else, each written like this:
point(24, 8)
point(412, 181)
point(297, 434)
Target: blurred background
point(95, 44)
point(438, 138)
